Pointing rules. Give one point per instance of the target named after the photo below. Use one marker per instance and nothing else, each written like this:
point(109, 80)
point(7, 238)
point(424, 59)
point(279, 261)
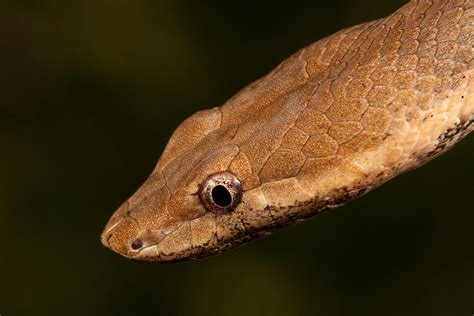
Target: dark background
point(91, 90)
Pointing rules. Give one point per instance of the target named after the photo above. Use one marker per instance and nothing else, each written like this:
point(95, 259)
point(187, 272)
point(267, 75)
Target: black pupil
point(221, 196)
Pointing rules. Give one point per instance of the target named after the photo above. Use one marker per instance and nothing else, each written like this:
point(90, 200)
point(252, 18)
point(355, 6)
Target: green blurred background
point(90, 92)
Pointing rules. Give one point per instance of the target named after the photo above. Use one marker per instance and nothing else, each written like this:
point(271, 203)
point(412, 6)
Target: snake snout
point(120, 237)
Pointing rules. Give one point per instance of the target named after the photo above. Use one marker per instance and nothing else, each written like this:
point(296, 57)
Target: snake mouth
point(126, 239)
point(146, 246)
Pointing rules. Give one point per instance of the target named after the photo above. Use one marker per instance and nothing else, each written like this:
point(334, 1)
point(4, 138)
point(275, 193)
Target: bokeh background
point(90, 92)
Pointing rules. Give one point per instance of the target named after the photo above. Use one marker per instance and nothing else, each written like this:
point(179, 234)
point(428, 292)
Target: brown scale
point(330, 123)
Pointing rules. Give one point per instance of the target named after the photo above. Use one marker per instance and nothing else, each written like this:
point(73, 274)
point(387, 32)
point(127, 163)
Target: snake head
point(166, 219)
point(256, 164)
point(224, 179)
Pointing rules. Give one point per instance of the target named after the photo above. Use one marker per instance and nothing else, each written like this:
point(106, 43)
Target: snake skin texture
point(333, 121)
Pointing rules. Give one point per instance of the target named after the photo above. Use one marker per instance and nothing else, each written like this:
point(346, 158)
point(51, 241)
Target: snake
point(332, 122)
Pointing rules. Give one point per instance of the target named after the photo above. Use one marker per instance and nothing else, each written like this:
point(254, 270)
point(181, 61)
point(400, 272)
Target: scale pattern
point(330, 123)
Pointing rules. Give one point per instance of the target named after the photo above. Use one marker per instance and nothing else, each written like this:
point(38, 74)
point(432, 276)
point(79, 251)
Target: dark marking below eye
point(221, 196)
point(137, 244)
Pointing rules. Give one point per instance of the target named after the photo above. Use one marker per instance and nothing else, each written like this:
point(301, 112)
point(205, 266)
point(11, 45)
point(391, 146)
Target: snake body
point(333, 121)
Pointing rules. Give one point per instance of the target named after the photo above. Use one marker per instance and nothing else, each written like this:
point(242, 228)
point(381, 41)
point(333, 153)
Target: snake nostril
point(137, 244)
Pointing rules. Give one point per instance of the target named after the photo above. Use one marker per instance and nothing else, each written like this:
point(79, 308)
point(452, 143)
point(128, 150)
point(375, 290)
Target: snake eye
point(221, 192)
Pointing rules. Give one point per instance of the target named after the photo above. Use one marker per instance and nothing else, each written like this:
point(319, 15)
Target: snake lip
point(150, 240)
